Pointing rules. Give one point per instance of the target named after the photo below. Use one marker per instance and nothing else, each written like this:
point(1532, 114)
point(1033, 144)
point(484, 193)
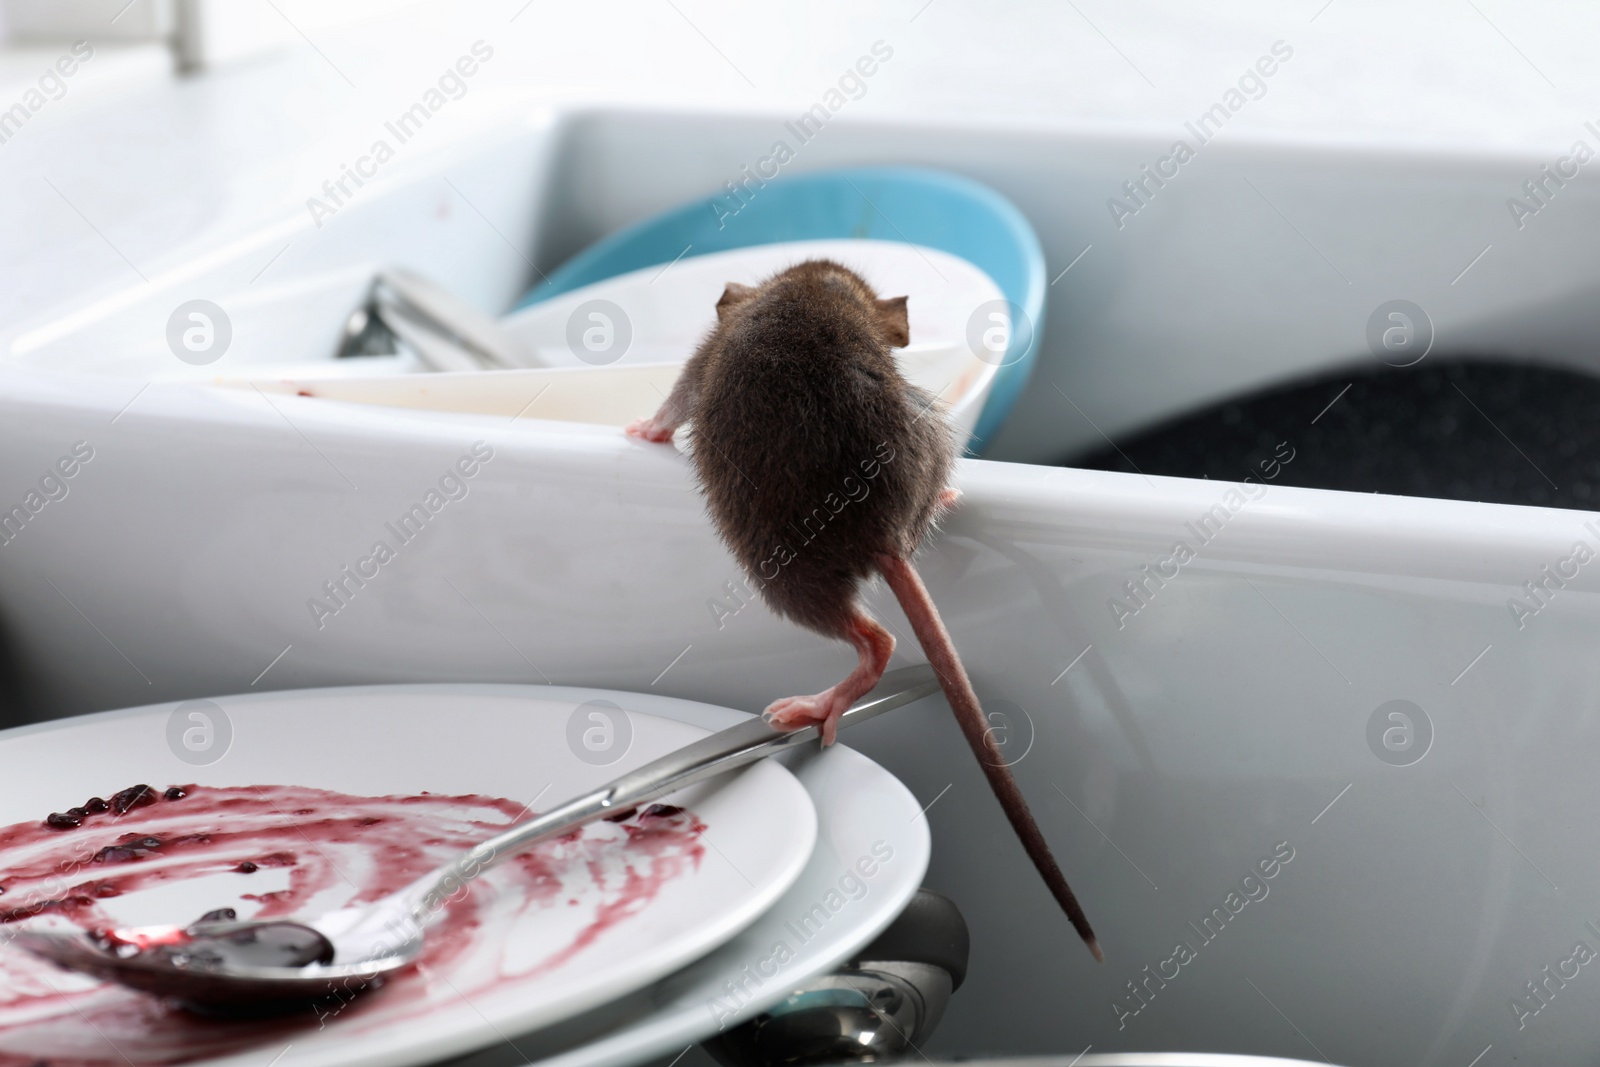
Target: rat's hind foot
point(949, 497)
point(874, 646)
point(822, 710)
point(651, 429)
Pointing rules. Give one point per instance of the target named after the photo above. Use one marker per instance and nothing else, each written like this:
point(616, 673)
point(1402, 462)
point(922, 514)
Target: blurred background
point(1486, 73)
point(1436, 71)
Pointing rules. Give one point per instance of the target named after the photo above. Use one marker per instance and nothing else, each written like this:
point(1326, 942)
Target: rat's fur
point(844, 466)
point(822, 466)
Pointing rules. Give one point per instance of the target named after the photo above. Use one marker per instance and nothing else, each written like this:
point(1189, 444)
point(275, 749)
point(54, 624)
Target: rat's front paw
point(650, 430)
point(949, 497)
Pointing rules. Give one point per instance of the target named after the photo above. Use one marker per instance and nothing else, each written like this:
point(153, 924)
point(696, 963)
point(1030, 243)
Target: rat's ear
point(734, 295)
point(893, 322)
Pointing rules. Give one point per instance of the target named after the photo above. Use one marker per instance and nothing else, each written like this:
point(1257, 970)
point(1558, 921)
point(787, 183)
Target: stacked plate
point(631, 939)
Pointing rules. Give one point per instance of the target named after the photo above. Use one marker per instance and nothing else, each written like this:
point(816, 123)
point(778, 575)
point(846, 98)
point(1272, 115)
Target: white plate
point(668, 311)
point(652, 320)
point(602, 921)
point(860, 807)
point(671, 308)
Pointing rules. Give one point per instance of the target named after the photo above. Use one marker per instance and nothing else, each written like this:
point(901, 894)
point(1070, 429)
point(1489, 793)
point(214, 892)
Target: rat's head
point(819, 283)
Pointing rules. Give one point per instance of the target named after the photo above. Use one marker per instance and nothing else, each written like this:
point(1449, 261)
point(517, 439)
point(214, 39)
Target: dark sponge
point(1502, 431)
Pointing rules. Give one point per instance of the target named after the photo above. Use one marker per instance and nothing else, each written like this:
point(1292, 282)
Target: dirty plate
point(296, 802)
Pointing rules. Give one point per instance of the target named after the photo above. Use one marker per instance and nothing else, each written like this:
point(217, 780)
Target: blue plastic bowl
point(925, 207)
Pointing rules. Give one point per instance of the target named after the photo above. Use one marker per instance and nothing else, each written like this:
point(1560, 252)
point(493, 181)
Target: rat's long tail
point(935, 640)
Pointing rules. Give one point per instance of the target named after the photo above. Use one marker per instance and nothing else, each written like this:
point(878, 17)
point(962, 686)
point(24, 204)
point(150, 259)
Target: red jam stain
point(66, 865)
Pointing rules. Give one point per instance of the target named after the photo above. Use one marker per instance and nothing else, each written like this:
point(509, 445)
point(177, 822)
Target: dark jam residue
point(310, 846)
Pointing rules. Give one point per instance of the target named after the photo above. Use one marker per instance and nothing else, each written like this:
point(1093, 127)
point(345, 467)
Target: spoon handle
point(721, 752)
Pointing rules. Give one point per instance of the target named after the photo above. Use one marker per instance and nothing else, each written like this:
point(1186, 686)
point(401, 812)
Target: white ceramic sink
point(1237, 718)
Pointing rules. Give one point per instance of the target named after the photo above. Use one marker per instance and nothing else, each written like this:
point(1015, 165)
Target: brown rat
point(821, 466)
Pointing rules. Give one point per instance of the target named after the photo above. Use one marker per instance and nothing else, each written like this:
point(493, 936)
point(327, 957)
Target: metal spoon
point(221, 965)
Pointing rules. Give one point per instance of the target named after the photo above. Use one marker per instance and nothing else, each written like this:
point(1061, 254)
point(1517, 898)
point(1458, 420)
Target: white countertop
point(142, 168)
